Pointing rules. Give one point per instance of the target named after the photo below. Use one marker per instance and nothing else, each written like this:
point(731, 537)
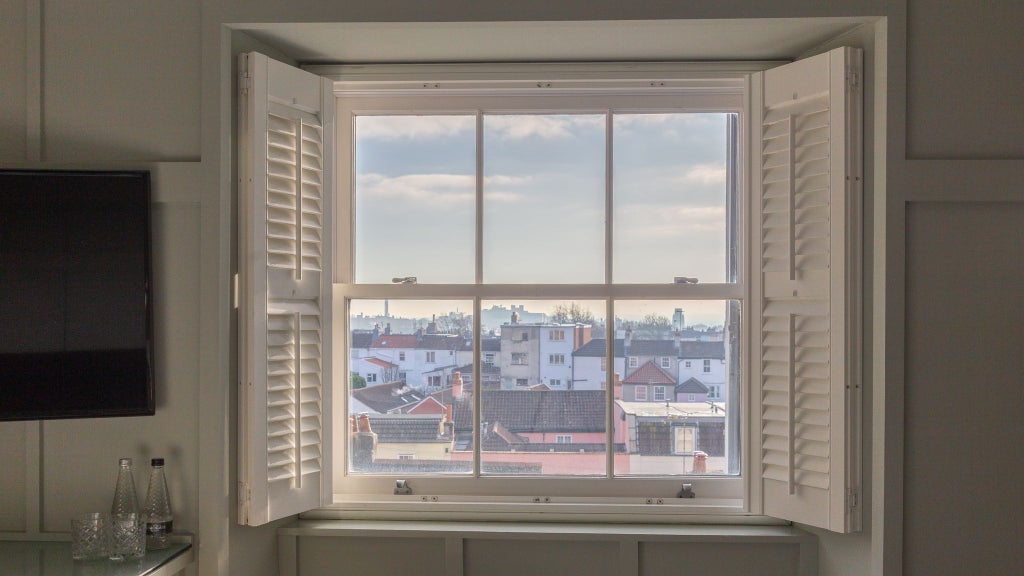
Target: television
point(76, 295)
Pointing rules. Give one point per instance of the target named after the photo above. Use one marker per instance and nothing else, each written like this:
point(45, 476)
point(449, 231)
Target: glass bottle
point(158, 508)
point(125, 499)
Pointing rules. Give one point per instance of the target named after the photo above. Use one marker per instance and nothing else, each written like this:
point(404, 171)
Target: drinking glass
point(127, 536)
point(90, 535)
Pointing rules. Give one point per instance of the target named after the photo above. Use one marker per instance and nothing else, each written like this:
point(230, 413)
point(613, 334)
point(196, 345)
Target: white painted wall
point(116, 83)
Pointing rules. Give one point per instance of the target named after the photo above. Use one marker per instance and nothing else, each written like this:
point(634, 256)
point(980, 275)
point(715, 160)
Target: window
point(563, 439)
point(691, 397)
point(587, 164)
point(406, 456)
point(684, 439)
point(371, 376)
point(707, 365)
point(489, 358)
point(430, 357)
point(401, 356)
point(640, 393)
point(666, 362)
point(488, 257)
point(713, 391)
point(555, 383)
point(687, 364)
point(604, 364)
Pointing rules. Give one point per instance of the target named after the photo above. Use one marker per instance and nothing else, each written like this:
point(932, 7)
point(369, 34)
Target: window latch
point(404, 280)
point(402, 488)
point(686, 492)
point(684, 280)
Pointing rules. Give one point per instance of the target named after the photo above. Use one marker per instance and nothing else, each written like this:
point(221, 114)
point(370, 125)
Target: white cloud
point(676, 119)
point(412, 127)
point(546, 127)
point(664, 222)
point(708, 174)
point(438, 190)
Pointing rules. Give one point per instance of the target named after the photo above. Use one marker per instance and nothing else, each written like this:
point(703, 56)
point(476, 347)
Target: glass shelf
point(38, 558)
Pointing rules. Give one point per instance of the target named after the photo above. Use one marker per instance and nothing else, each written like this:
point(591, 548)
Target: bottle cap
point(124, 462)
point(157, 462)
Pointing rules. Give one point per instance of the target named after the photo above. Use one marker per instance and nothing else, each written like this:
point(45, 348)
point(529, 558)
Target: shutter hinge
point(852, 79)
point(852, 499)
point(244, 78)
point(244, 498)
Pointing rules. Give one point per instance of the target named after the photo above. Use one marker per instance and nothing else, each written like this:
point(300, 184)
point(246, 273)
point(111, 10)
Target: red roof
point(395, 341)
point(381, 363)
point(649, 373)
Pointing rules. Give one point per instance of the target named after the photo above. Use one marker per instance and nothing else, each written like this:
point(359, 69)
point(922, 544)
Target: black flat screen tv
point(76, 305)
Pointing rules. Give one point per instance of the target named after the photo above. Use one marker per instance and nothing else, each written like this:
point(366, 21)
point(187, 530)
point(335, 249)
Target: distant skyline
point(706, 312)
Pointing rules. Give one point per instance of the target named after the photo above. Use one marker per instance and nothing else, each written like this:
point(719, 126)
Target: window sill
point(733, 534)
point(578, 511)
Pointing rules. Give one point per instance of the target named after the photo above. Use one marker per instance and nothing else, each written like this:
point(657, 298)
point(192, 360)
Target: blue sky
point(544, 198)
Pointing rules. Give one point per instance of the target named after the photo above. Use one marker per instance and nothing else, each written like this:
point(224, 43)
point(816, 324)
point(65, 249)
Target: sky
point(543, 198)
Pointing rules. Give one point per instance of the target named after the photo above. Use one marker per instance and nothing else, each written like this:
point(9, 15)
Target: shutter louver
point(285, 295)
point(807, 355)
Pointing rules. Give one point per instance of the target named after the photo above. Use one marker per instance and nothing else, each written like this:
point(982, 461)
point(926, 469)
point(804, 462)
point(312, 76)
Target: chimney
point(679, 346)
point(364, 444)
point(387, 329)
point(432, 327)
point(628, 341)
point(618, 387)
point(376, 331)
point(515, 317)
point(457, 386)
point(700, 462)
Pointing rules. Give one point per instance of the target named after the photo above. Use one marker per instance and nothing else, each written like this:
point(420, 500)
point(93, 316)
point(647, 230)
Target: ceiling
point(634, 40)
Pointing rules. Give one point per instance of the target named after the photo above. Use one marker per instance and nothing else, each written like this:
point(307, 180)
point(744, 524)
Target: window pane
point(670, 197)
point(680, 419)
point(548, 414)
point(411, 364)
point(544, 197)
point(415, 181)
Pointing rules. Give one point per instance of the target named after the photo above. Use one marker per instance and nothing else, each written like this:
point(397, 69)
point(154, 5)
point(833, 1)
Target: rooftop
point(408, 428)
point(650, 373)
point(390, 397)
point(692, 386)
point(537, 410)
point(673, 410)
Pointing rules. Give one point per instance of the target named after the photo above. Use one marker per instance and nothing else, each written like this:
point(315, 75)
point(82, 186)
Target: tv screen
point(76, 306)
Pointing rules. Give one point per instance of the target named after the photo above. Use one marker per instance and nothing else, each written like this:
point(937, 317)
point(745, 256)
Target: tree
point(572, 313)
point(653, 326)
point(357, 382)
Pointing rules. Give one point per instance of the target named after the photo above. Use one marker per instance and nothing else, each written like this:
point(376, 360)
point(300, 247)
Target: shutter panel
point(807, 184)
point(286, 121)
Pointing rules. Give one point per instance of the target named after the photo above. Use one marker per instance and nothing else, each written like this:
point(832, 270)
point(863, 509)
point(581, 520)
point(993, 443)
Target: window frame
point(638, 391)
point(722, 92)
point(784, 94)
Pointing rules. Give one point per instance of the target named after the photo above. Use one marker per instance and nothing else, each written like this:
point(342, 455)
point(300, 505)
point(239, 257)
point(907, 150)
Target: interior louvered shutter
point(286, 125)
point(807, 208)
